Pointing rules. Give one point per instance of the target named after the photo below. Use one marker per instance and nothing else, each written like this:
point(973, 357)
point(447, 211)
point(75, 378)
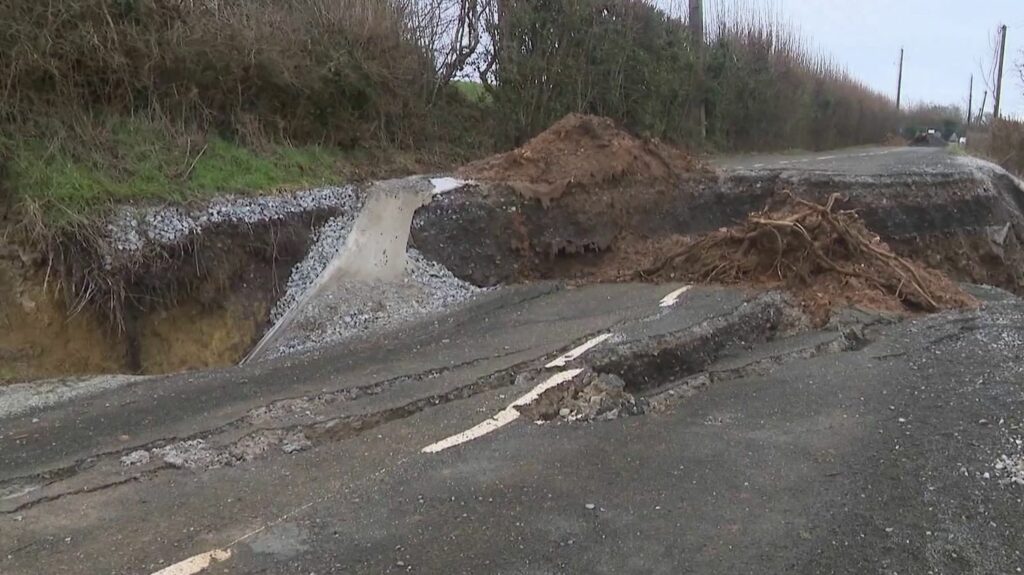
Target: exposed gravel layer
point(355, 308)
point(328, 242)
point(132, 229)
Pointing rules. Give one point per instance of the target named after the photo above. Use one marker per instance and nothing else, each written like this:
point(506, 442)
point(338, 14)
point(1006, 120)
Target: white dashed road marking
point(573, 354)
point(505, 416)
point(671, 299)
point(197, 563)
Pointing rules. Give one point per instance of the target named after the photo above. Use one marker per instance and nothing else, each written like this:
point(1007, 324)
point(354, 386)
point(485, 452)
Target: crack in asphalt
point(353, 424)
point(82, 491)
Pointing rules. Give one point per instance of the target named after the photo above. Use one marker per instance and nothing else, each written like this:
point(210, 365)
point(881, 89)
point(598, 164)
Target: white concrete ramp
point(367, 277)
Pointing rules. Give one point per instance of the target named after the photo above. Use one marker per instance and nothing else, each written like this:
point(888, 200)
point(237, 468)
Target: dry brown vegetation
point(344, 72)
point(1005, 145)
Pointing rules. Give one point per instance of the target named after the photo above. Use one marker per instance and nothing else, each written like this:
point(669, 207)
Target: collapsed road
point(554, 427)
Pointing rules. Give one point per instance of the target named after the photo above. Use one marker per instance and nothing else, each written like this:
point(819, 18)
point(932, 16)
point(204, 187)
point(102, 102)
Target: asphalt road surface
point(864, 161)
point(871, 446)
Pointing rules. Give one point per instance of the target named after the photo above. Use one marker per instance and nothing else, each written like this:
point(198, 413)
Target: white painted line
point(758, 165)
point(573, 354)
point(826, 158)
point(671, 299)
point(505, 416)
point(195, 564)
point(442, 185)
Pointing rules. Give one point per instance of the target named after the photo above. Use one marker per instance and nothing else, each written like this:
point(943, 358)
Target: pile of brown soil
point(580, 151)
point(826, 257)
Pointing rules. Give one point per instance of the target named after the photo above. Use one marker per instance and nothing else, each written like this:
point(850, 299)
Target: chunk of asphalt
point(668, 355)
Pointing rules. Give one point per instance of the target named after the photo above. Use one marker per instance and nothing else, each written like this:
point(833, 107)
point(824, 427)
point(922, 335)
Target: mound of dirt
point(826, 257)
point(580, 151)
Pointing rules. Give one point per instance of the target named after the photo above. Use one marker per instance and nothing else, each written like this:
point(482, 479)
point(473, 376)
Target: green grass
point(68, 179)
point(473, 91)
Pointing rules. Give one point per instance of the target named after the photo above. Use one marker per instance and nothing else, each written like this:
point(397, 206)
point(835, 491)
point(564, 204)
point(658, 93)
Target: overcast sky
point(945, 41)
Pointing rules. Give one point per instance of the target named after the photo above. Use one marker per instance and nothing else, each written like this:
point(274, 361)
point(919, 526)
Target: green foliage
point(472, 91)
point(136, 160)
point(628, 60)
point(947, 120)
point(621, 59)
point(119, 100)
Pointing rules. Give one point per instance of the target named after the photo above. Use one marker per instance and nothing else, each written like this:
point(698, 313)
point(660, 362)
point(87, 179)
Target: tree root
point(796, 244)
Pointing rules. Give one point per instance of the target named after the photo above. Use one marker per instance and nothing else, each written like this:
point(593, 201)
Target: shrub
point(767, 91)
point(618, 58)
point(1006, 144)
point(629, 60)
point(345, 72)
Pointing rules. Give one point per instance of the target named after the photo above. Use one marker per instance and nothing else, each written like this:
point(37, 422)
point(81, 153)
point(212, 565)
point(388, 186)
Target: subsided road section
point(869, 446)
point(880, 458)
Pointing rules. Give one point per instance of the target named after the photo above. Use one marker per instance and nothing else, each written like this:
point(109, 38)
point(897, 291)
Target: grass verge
point(71, 179)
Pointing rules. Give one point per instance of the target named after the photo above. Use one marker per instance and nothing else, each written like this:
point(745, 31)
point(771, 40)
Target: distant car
point(930, 139)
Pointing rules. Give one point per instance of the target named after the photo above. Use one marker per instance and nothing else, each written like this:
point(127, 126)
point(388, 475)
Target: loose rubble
point(1010, 468)
point(592, 397)
point(355, 308)
point(199, 454)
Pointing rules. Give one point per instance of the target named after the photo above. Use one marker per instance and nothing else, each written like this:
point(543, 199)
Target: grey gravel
point(356, 308)
point(191, 454)
point(138, 457)
point(1010, 468)
point(295, 443)
point(352, 308)
point(327, 243)
point(133, 230)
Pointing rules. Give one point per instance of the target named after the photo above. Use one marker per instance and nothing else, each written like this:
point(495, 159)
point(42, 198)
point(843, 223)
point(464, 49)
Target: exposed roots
point(808, 246)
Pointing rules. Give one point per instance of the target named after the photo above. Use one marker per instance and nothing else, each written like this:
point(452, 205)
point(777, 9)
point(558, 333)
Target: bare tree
point(465, 40)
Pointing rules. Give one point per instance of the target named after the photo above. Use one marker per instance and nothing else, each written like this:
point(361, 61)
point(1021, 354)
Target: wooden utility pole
point(899, 83)
point(696, 23)
point(981, 112)
point(999, 77)
point(970, 103)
